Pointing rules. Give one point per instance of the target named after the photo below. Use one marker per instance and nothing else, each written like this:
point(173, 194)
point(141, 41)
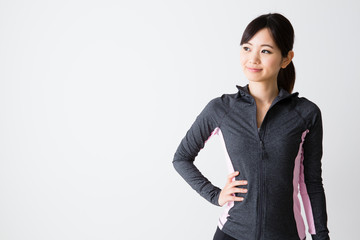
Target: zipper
point(262, 190)
point(261, 204)
point(262, 197)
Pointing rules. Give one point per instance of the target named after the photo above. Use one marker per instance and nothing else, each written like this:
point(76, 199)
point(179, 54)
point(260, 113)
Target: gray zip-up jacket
point(279, 160)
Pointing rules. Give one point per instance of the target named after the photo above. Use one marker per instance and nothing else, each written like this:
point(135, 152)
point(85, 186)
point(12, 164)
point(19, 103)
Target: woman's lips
point(254, 69)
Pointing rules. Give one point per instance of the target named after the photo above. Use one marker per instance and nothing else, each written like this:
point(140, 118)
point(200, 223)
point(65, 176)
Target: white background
point(95, 97)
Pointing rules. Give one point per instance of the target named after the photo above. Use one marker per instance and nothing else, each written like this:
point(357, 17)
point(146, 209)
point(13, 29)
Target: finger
point(237, 198)
point(239, 190)
point(232, 175)
point(242, 182)
point(239, 182)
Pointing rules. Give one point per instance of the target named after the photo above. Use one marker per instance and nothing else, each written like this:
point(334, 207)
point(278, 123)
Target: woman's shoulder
point(220, 106)
point(309, 110)
point(223, 102)
point(307, 106)
point(224, 99)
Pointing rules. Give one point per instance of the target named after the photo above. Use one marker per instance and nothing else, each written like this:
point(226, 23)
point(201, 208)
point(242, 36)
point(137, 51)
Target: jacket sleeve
point(194, 140)
point(313, 194)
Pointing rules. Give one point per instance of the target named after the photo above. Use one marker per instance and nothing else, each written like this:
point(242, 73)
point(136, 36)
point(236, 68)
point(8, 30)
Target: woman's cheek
point(273, 63)
point(242, 62)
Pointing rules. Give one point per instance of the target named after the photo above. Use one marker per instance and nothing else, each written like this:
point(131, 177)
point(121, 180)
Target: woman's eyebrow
point(262, 45)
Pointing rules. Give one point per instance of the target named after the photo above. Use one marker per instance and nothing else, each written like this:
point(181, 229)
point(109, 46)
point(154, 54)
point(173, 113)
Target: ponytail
point(286, 77)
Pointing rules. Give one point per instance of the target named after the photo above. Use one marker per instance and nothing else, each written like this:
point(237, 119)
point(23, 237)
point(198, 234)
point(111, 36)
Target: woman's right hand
point(227, 194)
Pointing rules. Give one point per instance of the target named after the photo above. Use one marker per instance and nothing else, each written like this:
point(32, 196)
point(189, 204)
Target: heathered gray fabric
point(267, 210)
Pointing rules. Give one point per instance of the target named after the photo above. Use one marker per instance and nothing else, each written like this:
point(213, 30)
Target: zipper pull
point(261, 144)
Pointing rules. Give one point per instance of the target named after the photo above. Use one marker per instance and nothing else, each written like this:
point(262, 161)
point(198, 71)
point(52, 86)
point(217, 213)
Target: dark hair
point(283, 35)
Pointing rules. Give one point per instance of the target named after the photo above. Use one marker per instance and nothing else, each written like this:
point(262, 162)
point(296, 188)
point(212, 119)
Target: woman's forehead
point(263, 38)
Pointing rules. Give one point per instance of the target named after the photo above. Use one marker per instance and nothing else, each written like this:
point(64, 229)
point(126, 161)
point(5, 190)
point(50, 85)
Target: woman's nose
point(254, 58)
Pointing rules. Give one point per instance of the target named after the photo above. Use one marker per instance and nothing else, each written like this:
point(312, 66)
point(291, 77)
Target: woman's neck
point(263, 92)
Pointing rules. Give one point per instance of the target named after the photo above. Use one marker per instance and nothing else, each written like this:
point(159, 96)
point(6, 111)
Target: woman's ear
point(287, 59)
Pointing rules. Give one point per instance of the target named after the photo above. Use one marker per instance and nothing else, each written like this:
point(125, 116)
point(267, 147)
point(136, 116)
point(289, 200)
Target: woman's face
point(260, 58)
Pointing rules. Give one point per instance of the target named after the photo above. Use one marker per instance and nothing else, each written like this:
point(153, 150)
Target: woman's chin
point(254, 78)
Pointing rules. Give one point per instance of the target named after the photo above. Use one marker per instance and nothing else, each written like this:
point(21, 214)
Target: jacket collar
point(244, 91)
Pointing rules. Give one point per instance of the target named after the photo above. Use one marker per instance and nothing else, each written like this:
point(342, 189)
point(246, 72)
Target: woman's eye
point(246, 49)
point(265, 51)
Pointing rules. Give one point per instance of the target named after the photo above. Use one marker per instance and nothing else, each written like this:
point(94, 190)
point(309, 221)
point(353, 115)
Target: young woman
point(273, 143)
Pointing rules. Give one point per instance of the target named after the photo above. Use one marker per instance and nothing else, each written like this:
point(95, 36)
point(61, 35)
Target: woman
point(273, 144)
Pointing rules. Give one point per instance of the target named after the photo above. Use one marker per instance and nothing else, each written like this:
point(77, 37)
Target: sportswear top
point(279, 160)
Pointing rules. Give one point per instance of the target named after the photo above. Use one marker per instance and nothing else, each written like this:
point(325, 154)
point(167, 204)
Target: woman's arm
point(311, 186)
point(201, 130)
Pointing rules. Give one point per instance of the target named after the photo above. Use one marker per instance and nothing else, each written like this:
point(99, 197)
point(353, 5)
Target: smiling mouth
point(254, 69)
